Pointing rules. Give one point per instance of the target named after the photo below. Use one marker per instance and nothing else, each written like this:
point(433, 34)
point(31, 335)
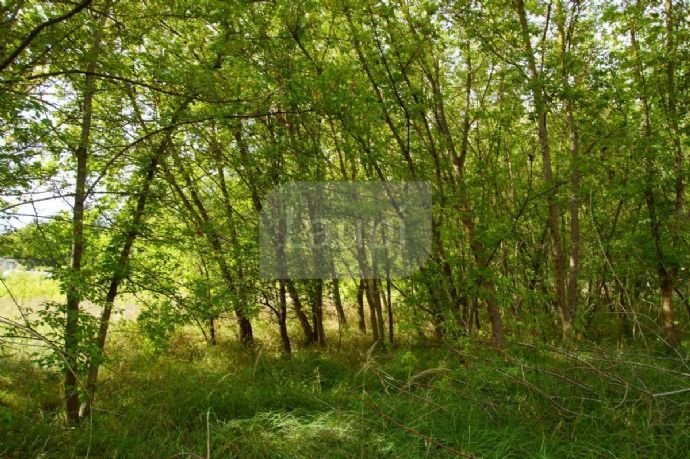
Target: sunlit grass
point(194, 400)
point(24, 292)
point(28, 289)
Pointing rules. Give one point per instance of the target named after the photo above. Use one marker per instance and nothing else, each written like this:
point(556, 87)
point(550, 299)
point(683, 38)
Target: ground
point(417, 399)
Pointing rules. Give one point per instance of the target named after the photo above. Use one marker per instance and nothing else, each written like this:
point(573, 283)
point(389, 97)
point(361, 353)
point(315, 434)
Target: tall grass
point(26, 286)
point(223, 401)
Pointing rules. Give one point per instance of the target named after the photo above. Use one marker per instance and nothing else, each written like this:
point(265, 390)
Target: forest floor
point(194, 400)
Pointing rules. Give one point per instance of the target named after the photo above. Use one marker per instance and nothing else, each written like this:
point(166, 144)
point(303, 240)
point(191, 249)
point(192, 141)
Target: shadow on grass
point(223, 401)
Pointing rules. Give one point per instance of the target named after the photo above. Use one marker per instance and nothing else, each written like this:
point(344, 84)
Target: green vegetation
point(141, 145)
point(413, 402)
point(26, 286)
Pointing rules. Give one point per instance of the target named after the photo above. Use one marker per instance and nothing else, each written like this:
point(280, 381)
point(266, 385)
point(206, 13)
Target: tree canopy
point(554, 136)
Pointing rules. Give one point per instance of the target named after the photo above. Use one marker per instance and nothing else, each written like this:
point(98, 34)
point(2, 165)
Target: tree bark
point(574, 265)
point(282, 319)
point(317, 312)
point(389, 308)
point(666, 274)
point(668, 280)
point(457, 159)
point(362, 324)
point(309, 336)
point(338, 301)
point(73, 293)
point(537, 90)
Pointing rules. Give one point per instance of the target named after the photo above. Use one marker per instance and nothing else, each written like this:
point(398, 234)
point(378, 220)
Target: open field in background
point(30, 291)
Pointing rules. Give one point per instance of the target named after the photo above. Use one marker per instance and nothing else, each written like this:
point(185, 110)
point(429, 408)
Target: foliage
point(411, 403)
point(554, 136)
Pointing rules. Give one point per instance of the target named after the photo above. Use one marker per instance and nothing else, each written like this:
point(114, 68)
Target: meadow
point(190, 399)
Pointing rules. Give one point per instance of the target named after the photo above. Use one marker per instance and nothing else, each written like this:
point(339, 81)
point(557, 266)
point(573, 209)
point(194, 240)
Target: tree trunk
point(574, 265)
point(81, 153)
point(309, 336)
point(372, 314)
point(373, 296)
point(389, 307)
point(317, 312)
point(317, 233)
point(282, 319)
point(666, 275)
point(200, 215)
point(457, 159)
point(120, 273)
point(545, 147)
point(337, 299)
point(679, 158)
point(376, 296)
point(680, 220)
point(362, 323)
point(369, 283)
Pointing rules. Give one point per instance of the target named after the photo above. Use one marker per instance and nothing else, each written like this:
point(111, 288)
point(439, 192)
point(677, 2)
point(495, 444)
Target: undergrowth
point(412, 401)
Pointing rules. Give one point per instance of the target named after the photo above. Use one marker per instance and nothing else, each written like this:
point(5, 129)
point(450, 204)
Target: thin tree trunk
point(369, 282)
point(120, 272)
point(673, 119)
point(73, 294)
point(680, 221)
point(574, 265)
point(202, 220)
point(389, 307)
point(317, 312)
point(282, 319)
point(457, 159)
point(317, 233)
point(545, 147)
point(376, 318)
point(309, 337)
point(372, 313)
point(362, 323)
point(376, 296)
point(666, 275)
point(338, 301)
point(212, 331)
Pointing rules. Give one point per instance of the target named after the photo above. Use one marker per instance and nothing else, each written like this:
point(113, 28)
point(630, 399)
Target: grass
point(30, 290)
point(414, 401)
point(223, 401)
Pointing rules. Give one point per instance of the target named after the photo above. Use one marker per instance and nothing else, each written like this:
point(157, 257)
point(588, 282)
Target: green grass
point(27, 290)
point(28, 285)
point(30, 291)
point(407, 403)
